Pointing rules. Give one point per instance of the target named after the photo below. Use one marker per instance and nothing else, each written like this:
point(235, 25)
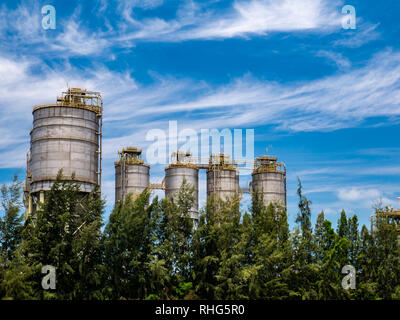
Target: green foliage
point(134, 271)
point(216, 246)
point(11, 220)
point(65, 233)
point(14, 272)
point(183, 289)
point(151, 249)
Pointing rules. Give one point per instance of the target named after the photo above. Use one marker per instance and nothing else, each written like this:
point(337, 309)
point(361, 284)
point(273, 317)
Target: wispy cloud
point(339, 101)
point(357, 194)
point(338, 59)
point(77, 41)
point(364, 33)
point(192, 21)
point(245, 18)
point(367, 197)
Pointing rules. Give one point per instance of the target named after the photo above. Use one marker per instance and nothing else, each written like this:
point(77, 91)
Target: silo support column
point(29, 205)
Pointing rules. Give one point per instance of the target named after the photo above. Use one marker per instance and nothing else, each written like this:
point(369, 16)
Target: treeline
point(149, 249)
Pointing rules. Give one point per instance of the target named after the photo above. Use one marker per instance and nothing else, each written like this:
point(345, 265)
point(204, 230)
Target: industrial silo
point(222, 177)
point(269, 180)
point(65, 135)
point(182, 168)
point(131, 174)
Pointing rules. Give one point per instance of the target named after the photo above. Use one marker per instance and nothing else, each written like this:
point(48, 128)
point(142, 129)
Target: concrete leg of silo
point(41, 197)
point(29, 205)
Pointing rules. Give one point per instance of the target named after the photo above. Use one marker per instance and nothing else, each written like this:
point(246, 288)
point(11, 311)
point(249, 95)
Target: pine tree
point(354, 239)
point(305, 273)
point(334, 256)
point(87, 250)
point(11, 220)
point(14, 272)
point(217, 250)
point(270, 265)
point(129, 239)
point(342, 229)
point(366, 276)
point(15, 283)
point(319, 238)
point(231, 255)
point(304, 220)
point(65, 233)
point(388, 257)
point(174, 234)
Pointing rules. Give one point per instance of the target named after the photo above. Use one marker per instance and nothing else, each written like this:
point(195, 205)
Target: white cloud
point(255, 17)
point(366, 197)
point(192, 21)
point(339, 101)
point(358, 194)
point(24, 23)
point(75, 40)
point(260, 17)
point(363, 34)
point(341, 61)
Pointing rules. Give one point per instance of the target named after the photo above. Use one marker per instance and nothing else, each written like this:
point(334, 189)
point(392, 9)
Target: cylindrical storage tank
point(64, 137)
point(223, 183)
point(271, 186)
point(269, 180)
point(130, 179)
point(175, 174)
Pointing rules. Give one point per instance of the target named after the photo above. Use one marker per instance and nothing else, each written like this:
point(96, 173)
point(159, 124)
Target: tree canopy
point(151, 249)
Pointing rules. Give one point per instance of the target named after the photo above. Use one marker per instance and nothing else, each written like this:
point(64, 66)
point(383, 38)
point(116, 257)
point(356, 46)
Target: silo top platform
point(182, 159)
point(77, 98)
point(130, 156)
point(221, 161)
point(268, 164)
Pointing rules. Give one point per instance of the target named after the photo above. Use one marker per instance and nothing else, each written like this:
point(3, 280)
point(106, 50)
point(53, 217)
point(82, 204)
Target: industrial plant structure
point(132, 176)
point(179, 170)
point(66, 135)
point(268, 177)
point(269, 180)
point(222, 177)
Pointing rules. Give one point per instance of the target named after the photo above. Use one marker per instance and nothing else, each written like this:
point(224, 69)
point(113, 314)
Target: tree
point(174, 234)
point(342, 229)
point(305, 273)
point(88, 251)
point(216, 245)
point(319, 238)
point(334, 256)
point(11, 220)
point(354, 239)
point(15, 282)
point(65, 233)
point(270, 264)
point(304, 220)
point(366, 277)
point(13, 270)
point(387, 256)
point(129, 239)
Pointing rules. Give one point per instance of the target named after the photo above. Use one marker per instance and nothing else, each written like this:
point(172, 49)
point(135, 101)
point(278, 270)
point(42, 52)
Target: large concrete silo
point(269, 180)
point(222, 177)
point(182, 169)
point(66, 135)
point(132, 175)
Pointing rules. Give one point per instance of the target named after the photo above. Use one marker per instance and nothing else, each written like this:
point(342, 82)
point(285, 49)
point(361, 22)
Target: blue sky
point(325, 100)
